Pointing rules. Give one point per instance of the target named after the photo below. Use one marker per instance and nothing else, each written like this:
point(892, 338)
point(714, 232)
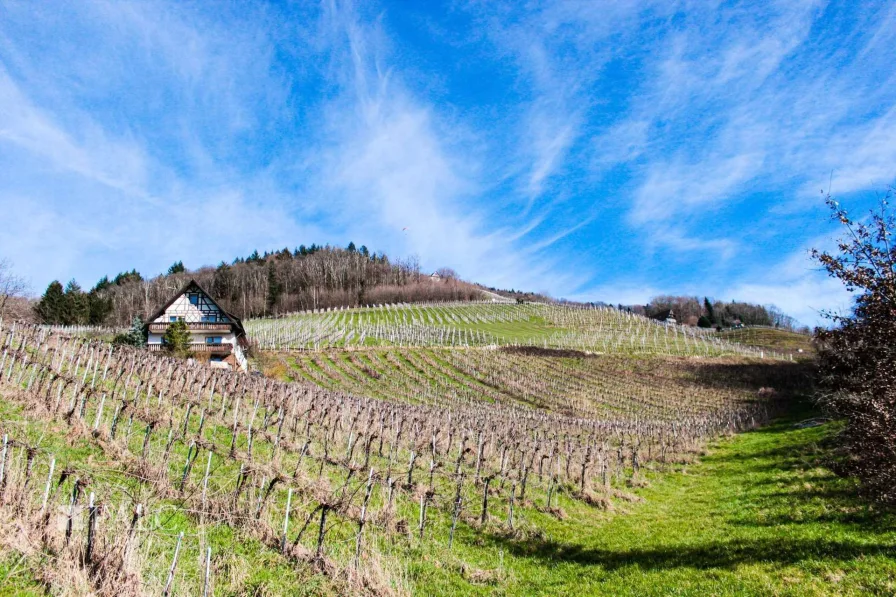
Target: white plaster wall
point(182, 307)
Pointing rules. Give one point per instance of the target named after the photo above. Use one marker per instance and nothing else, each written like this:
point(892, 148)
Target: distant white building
point(435, 277)
point(213, 330)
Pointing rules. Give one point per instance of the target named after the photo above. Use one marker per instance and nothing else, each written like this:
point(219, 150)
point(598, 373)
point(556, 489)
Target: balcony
point(197, 347)
point(193, 326)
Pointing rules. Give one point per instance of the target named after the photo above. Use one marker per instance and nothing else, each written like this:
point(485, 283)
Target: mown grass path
point(757, 516)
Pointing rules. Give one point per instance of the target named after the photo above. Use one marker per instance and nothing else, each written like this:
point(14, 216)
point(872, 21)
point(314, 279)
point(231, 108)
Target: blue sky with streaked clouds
point(595, 150)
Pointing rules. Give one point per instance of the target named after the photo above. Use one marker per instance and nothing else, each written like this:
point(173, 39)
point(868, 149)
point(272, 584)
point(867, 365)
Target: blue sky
point(595, 150)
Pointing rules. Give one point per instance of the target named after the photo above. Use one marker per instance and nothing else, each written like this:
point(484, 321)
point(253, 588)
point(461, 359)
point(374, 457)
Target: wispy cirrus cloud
point(401, 171)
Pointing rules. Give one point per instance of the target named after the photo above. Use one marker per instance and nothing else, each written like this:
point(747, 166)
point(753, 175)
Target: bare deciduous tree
point(446, 273)
point(857, 358)
point(11, 285)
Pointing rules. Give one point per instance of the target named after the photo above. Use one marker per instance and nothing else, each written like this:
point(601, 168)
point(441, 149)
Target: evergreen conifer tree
point(76, 310)
point(102, 284)
point(275, 289)
point(51, 305)
point(98, 308)
point(177, 339)
point(710, 312)
point(135, 336)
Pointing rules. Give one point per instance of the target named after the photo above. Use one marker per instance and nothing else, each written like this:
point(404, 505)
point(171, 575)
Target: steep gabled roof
point(186, 288)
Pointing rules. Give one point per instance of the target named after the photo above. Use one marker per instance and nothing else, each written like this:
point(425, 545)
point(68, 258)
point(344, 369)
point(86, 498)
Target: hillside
point(451, 431)
point(315, 277)
point(468, 471)
point(757, 514)
point(592, 329)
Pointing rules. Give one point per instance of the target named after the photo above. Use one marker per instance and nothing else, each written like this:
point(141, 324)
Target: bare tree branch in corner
point(11, 286)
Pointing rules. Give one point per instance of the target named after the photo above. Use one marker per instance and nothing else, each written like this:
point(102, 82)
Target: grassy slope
point(758, 516)
point(534, 329)
point(770, 339)
point(263, 571)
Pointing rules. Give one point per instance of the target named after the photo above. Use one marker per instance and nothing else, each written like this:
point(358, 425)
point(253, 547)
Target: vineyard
point(136, 473)
point(606, 387)
point(593, 329)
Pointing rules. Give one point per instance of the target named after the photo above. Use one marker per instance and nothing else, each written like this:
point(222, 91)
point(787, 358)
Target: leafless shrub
point(857, 359)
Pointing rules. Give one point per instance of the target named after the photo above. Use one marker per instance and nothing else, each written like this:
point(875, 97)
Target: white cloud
point(682, 188)
point(118, 163)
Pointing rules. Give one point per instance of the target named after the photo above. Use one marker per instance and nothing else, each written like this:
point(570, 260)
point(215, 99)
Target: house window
point(213, 339)
point(173, 318)
point(194, 299)
point(209, 318)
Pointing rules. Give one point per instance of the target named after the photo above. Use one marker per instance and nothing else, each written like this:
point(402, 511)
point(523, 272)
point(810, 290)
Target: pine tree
point(710, 312)
point(135, 336)
point(98, 308)
point(137, 332)
point(52, 304)
point(102, 284)
point(177, 339)
point(126, 277)
point(76, 310)
point(222, 283)
point(177, 268)
point(275, 289)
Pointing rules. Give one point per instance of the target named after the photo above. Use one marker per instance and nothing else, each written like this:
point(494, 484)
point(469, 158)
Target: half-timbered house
point(213, 331)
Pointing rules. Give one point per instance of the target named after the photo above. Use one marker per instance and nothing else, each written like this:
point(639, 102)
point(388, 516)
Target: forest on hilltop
point(691, 310)
point(268, 284)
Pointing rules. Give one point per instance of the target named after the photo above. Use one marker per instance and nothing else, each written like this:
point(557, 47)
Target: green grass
point(782, 341)
point(16, 578)
point(533, 329)
point(260, 570)
point(758, 516)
